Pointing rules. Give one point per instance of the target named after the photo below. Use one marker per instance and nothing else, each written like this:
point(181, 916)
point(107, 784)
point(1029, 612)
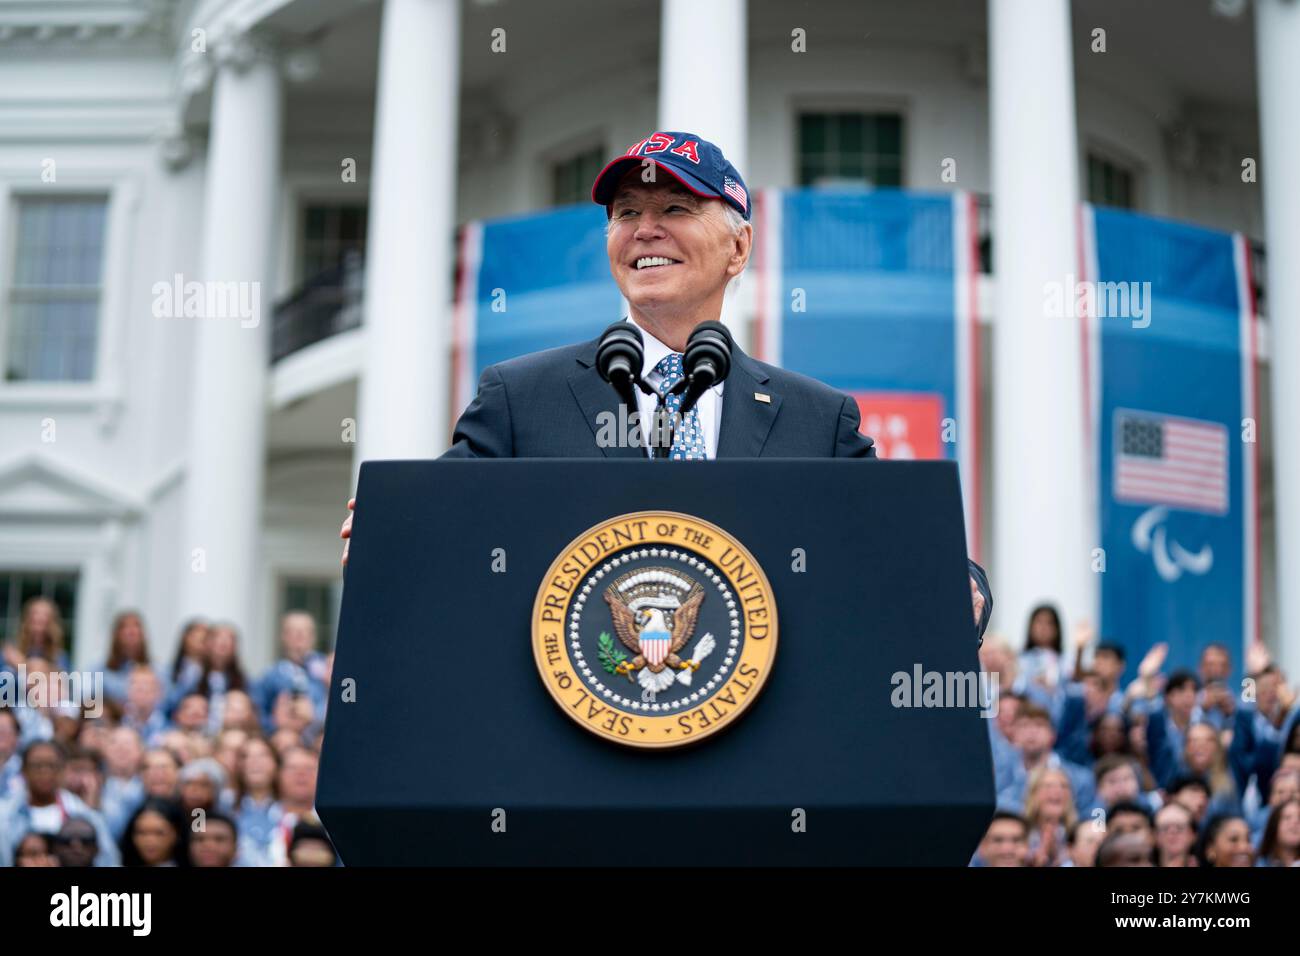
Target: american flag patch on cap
point(735, 191)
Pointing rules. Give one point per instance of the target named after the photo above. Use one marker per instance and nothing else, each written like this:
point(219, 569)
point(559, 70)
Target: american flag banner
point(1176, 462)
point(1172, 406)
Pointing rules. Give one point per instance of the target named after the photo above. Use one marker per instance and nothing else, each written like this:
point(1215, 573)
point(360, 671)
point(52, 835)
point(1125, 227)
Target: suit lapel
point(746, 421)
point(598, 400)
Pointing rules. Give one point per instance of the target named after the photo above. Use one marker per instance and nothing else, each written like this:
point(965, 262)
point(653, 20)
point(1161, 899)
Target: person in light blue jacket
point(1205, 756)
point(11, 760)
point(188, 664)
point(1262, 724)
point(1216, 700)
point(1119, 780)
point(257, 807)
point(1280, 845)
point(1034, 737)
point(143, 711)
point(302, 669)
point(43, 806)
point(1167, 726)
point(127, 649)
point(1285, 786)
point(40, 634)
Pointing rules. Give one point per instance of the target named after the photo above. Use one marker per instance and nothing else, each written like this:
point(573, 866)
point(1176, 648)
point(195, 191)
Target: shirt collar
point(654, 350)
point(654, 353)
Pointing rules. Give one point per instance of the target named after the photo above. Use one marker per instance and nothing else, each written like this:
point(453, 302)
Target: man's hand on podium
point(346, 532)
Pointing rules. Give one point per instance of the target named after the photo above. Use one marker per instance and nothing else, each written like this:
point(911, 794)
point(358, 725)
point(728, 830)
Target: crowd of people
point(190, 762)
point(1186, 768)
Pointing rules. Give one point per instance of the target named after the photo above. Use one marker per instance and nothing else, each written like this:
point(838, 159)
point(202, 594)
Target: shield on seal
point(655, 645)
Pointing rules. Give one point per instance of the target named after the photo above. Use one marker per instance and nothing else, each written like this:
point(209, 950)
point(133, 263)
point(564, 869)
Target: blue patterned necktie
point(688, 440)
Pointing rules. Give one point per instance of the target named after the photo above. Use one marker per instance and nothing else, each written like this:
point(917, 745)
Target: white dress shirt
point(709, 407)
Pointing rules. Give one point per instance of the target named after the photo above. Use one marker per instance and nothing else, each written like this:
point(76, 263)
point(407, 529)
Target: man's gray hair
point(737, 223)
point(734, 218)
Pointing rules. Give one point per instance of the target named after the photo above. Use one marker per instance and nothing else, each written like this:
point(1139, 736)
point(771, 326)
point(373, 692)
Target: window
point(1109, 184)
point(319, 597)
point(330, 232)
point(862, 148)
point(54, 297)
point(17, 587)
point(571, 178)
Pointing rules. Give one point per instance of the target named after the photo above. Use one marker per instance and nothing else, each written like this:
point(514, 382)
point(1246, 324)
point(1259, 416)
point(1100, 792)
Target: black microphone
point(706, 361)
point(620, 355)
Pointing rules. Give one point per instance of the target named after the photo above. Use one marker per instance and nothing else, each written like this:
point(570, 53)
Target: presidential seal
point(654, 629)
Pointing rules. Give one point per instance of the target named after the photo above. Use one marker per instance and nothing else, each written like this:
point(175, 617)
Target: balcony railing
point(329, 303)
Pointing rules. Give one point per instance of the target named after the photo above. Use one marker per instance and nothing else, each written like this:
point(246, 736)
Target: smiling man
point(678, 234)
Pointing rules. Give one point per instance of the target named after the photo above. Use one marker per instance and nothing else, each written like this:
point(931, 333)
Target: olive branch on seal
point(609, 654)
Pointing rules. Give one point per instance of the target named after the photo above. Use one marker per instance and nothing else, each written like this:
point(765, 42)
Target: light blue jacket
point(16, 822)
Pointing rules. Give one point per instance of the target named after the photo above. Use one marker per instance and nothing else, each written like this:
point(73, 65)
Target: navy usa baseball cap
point(694, 162)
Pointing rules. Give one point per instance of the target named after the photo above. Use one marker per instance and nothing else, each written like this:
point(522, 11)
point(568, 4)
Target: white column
point(703, 73)
point(1040, 512)
point(704, 88)
point(403, 404)
point(1277, 42)
point(223, 497)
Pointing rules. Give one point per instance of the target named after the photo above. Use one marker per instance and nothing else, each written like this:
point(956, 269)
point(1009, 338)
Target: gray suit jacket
point(552, 404)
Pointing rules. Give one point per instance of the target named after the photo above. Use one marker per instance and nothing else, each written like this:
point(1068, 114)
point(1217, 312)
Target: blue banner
point(1170, 334)
point(531, 282)
point(876, 297)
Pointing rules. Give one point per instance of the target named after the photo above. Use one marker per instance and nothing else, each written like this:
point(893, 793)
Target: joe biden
point(678, 233)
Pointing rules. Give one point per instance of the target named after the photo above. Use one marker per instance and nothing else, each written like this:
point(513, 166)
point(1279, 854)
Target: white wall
point(115, 438)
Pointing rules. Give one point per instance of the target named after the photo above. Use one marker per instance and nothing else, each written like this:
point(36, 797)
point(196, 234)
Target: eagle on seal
point(655, 635)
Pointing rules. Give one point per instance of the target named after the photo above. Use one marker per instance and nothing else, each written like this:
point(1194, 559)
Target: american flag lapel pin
point(765, 399)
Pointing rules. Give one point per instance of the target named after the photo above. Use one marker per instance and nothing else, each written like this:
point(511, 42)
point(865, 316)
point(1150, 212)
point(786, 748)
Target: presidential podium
point(650, 663)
